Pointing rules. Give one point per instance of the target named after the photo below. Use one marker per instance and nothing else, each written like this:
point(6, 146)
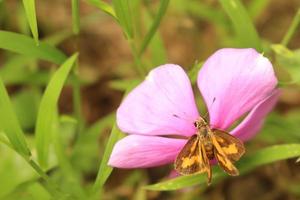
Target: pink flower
point(233, 82)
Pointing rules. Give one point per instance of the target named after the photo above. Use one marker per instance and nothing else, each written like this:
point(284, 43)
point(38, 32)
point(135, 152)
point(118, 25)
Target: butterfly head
point(200, 123)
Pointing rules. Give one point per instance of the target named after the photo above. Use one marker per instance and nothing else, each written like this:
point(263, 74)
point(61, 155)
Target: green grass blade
point(9, 123)
point(161, 12)
point(105, 7)
point(256, 7)
point(25, 45)
point(29, 6)
point(122, 10)
point(156, 47)
point(104, 169)
point(292, 29)
point(47, 109)
point(244, 28)
point(262, 157)
point(75, 17)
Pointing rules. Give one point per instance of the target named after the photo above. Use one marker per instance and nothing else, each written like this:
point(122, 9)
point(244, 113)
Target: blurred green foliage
point(73, 154)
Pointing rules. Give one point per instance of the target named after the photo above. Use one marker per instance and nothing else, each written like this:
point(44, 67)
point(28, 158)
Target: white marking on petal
point(149, 77)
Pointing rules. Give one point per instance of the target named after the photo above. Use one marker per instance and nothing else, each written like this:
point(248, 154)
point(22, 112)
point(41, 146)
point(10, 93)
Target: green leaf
point(47, 109)
point(123, 11)
point(17, 70)
point(104, 169)
point(261, 157)
point(75, 17)
point(14, 70)
point(9, 123)
point(105, 7)
point(244, 28)
point(161, 12)
point(14, 170)
point(288, 60)
point(29, 6)
point(276, 124)
point(25, 45)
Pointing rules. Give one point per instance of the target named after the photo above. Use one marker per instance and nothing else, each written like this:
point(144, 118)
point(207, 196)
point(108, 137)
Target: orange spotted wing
point(227, 149)
point(192, 159)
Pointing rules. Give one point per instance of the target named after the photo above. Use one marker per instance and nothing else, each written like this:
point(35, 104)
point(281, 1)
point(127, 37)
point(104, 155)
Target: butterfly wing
point(191, 159)
point(231, 146)
point(205, 161)
point(222, 158)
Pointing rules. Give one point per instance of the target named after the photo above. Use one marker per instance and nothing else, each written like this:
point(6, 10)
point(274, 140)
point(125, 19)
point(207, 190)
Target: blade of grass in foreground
point(29, 6)
point(104, 169)
point(262, 157)
point(25, 45)
point(48, 108)
point(243, 26)
point(9, 123)
point(122, 10)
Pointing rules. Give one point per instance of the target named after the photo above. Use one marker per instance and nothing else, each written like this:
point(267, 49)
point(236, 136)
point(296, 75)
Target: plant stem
point(292, 29)
point(37, 168)
point(75, 17)
point(137, 60)
point(76, 83)
point(77, 99)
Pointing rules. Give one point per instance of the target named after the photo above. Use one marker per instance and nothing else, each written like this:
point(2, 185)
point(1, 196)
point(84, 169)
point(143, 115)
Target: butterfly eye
point(195, 124)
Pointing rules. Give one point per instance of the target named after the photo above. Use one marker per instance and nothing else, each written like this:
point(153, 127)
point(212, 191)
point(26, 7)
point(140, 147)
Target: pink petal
point(173, 174)
point(254, 120)
point(162, 104)
point(138, 151)
point(238, 79)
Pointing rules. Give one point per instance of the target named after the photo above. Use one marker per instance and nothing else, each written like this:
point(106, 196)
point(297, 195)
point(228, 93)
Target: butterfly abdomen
point(209, 150)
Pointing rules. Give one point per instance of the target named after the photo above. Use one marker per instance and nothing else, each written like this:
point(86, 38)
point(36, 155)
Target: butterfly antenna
point(187, 119)
point(181, 117)
point(206, 114)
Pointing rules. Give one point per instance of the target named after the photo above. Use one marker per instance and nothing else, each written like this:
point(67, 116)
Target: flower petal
point(254, 120)
point(232, 82)
point(138, 151)
point(163, 104)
